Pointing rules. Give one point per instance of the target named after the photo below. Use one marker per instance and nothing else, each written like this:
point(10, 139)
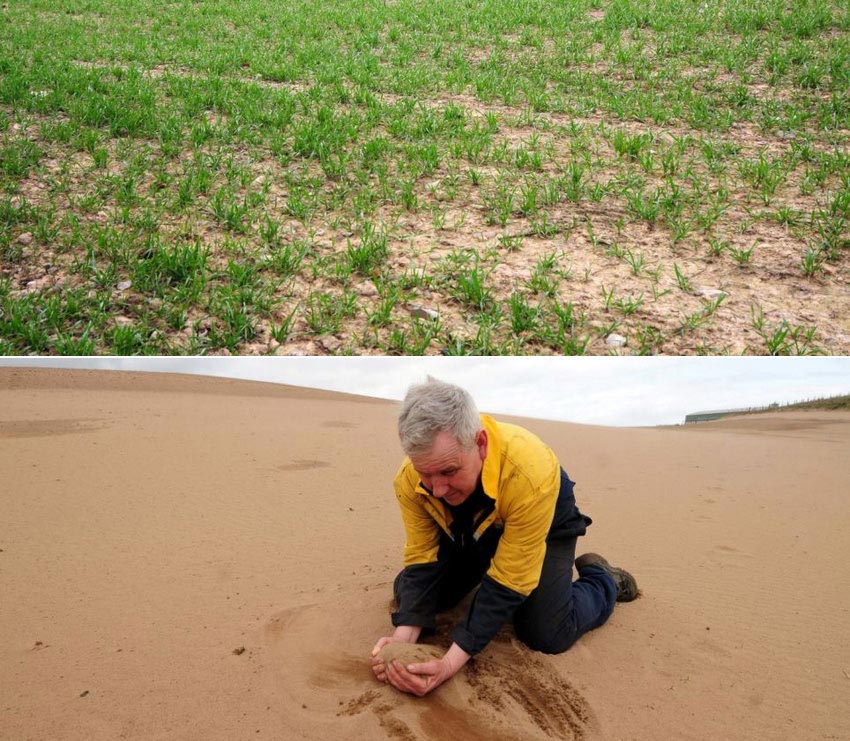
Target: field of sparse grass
point(840, 402)
point(379, 176)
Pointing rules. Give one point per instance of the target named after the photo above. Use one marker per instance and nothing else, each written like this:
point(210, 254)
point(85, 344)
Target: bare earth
point(199, 558)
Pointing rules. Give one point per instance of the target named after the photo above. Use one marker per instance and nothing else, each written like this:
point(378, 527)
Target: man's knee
point(541, 635)
point(547, 641)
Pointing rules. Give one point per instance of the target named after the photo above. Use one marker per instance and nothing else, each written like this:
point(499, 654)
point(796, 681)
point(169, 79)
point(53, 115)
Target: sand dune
point(186, 557)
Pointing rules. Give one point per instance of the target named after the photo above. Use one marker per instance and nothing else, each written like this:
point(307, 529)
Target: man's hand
point(403, 634)
point(378, 666)
point(420, 679)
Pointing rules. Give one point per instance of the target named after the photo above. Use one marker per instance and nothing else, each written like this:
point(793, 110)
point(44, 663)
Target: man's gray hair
point(433, 407)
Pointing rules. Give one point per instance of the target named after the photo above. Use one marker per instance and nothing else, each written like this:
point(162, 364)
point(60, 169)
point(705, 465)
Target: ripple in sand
point(301, 464)
point(48, 427)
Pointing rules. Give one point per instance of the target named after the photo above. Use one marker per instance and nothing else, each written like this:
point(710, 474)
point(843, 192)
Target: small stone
point(615, 340)
point(38, 283)
point(123, 321)
point(710, 293)
point(84, 693)
point(367, 289)
point(252, 348)
point(239, 651)
point(25, 239)
point(422, 312)
point(273, 345)
point(124, 285)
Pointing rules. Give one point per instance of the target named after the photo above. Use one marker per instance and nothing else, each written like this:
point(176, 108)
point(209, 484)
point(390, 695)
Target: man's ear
point(481, 441)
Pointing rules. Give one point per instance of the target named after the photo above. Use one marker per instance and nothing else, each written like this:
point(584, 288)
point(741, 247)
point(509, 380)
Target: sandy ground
point(198, 558)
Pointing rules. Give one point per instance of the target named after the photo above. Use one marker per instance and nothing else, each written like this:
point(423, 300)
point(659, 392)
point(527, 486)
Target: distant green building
point(720, 413)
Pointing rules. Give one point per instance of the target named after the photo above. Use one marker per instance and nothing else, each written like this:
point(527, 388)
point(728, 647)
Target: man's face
point(450, 471)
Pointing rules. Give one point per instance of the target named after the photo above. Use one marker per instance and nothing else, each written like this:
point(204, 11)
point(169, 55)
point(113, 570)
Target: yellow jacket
point(522, 475)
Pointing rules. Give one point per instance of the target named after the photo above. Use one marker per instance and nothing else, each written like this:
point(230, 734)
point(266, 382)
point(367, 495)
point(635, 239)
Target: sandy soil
point(199, 558)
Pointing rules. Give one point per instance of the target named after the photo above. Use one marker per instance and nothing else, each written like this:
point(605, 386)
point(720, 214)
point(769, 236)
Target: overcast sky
point(591, 390)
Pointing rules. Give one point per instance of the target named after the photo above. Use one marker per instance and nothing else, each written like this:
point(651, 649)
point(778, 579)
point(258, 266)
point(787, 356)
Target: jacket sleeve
point(416, 588)
point(422, 534)
point(492, 606)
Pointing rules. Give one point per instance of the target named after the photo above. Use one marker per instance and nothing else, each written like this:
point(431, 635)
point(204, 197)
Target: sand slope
point(201, 558)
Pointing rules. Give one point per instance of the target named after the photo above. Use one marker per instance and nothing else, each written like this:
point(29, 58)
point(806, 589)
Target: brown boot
point(627, 588)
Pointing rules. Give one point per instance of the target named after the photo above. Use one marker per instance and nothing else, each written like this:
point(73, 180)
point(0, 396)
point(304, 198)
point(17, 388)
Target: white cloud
point(607, 391)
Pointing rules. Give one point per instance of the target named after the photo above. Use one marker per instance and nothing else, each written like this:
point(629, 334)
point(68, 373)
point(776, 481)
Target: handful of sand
point(409, 653)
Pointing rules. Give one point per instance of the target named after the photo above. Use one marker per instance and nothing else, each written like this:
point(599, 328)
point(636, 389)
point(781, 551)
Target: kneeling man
point(487, 504)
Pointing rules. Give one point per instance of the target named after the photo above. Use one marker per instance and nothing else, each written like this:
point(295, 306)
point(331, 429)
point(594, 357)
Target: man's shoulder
point(514, 438)
point(406, 478)
point(519, 463)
